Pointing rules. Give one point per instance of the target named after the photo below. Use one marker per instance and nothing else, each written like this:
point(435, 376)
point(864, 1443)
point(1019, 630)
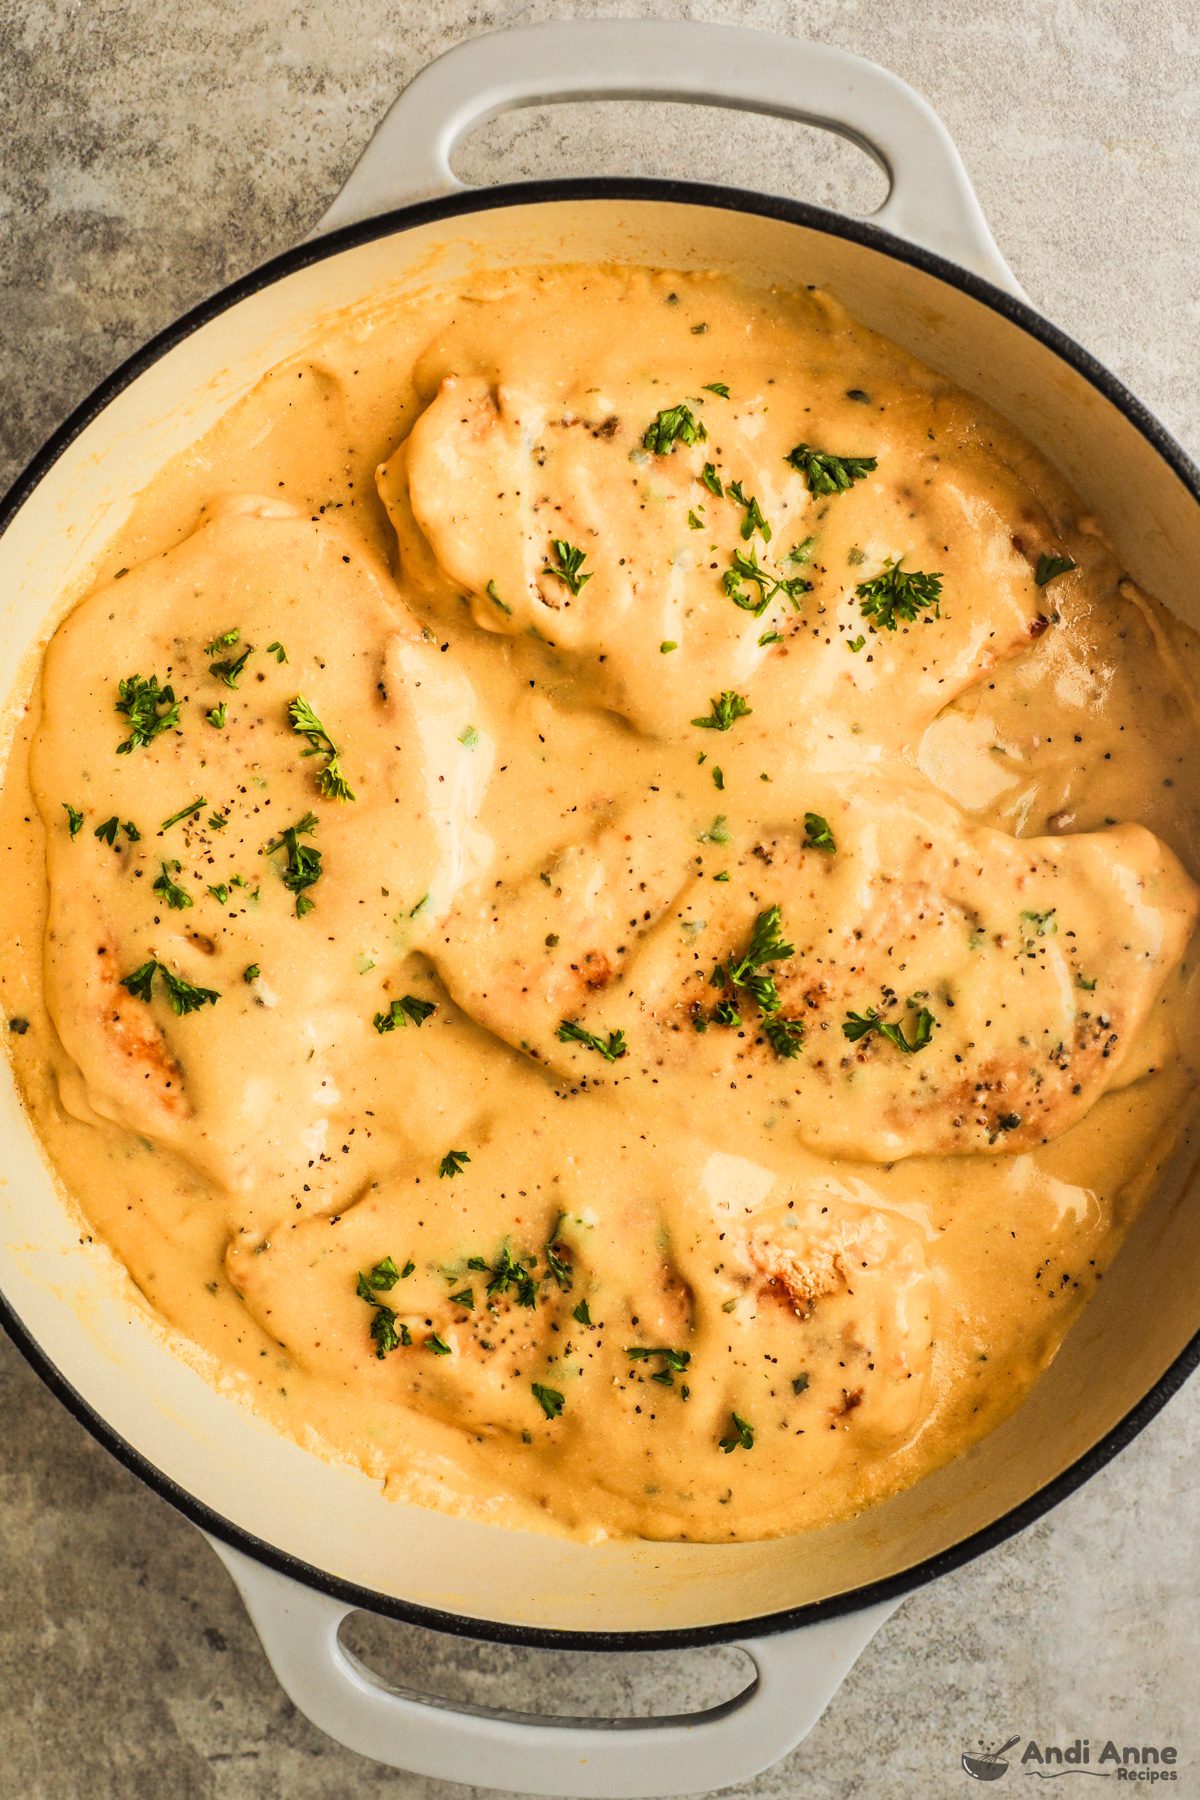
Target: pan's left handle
point(930, 202)
point(796, 1675)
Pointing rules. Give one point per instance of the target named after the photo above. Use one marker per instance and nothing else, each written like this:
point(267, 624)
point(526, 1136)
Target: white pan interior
point(79, 1307)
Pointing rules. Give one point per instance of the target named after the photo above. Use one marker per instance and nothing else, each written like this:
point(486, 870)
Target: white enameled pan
point(308, 1542)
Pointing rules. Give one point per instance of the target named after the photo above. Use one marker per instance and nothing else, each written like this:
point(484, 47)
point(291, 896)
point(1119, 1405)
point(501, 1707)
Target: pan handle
point(930, 203)
point(796, 1675)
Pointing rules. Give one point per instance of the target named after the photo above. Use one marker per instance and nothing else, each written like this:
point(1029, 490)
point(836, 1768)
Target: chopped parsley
point(817, 835)
point(716, 387)
point(468, 737)
point(401, 1011)
point(856, 644)
point(674, 425)
point(107, 833)
point(898, 593)
point(716, 833)
point(303, 862)
point(453, 1163)
point(769, 637)
point(727, 1013)
point(175, 896)
point(277, 651)
point(387, 1332)
point(801, 553)
point(230, 668)
point(746, 568)
point(1044, 924)
point(718, 776)
point(381, 1279)
point(827, 474)
point(1089, 987)
point(570, 559)
point(666, 647)
point(726, 708)
point(139, 702)
point(437, 1344)
point(74, 820)
point(225, 640)
point(193, 806)
point(753, 520)
point(494, 597)
point(570, 1032)
point(674, 1363)
point(217, 716)
point(220, 893)
point(557, 1262)
point(712, 481)
point(785, 1036)
point(215, 822)
point(1049, 568)
point(860, 1025)
point(304, 721)
point(741, 1438)
point(251, 973)
point(183, 996)
point(464, 1297)
point(580, 1314)
point(508, 1271)
point(695, 523)
point(549, 1399)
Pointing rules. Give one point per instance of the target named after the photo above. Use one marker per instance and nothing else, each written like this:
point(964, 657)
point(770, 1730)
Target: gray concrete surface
point(152, 152)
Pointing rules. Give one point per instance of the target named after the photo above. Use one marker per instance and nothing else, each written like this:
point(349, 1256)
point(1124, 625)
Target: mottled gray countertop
point(152, 153)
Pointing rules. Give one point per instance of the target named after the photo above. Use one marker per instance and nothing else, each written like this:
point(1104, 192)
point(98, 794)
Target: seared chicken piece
point(657, 539)
point(204, 972)
point(914, 986)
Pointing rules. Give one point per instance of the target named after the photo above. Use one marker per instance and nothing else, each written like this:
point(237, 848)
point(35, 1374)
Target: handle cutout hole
point(673, 140)
point(571, 1684)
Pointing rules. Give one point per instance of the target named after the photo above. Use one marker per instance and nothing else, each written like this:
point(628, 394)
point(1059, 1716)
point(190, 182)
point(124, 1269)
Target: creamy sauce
point(820, 1054)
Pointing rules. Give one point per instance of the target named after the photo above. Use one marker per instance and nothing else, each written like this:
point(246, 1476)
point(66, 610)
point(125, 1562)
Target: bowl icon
point(988, 1766)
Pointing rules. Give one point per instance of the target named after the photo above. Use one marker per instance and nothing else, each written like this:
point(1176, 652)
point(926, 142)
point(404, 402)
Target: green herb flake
point(175, 896)
point(230, 669)
point(1049, 568)
point(718, 776)
point(741, 1438)
point(107, 833)
point(754, 520)
point(785, 1036)
point(716, 387)
point(801, 553)
point(899, 594)
point(726, 708)
point(580, 1314)
point(695, 523)
point(183, 996)
point(401, 1011)
point(666, 647)
point(139, 701)
point(438, 1345)
point(570, 559)
point(303, 866)
point(549, 1399)
point(251, 973)
point(860, 1025)
point(277, 651)
point(74, 819)
point(674, 425)
point(769, 637)
point(712, 481)
point(817, 835)
point(494, 597)
point(468, 737)
point(453, 1163)
point(1089, 987)
point(220, 893)
point(856, 644)
point(571, 1032)
point(827, 474)
point(1040, 924)
point(224, 641)
point(330, 779)
point(217, 716)
point(184, 811)
point(464, 1297)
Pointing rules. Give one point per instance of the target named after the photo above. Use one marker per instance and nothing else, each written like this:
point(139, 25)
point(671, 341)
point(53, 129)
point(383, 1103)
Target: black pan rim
point(707, 195)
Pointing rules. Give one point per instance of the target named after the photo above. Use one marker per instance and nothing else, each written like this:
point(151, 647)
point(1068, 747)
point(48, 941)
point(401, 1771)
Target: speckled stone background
point(152, 152)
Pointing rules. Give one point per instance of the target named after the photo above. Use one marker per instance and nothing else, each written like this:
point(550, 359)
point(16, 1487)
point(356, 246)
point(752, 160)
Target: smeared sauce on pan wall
point(599, 898)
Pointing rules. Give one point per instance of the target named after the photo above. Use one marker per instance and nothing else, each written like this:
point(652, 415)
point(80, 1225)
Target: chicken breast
point(218, 873)
point(899, 981)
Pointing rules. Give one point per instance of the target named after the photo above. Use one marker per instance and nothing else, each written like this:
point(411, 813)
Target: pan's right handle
point(930, 203)
point(796, 1675)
